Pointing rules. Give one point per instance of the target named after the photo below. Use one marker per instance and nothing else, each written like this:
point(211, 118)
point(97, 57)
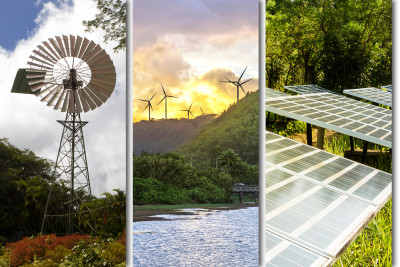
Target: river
point(206, 238)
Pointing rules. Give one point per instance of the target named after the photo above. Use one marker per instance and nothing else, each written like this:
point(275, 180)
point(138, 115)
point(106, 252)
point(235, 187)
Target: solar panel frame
point(291, 201)
point(371, 94)
point(306, 89)
point(365, 120)
point(387, 87)
point(270, 93)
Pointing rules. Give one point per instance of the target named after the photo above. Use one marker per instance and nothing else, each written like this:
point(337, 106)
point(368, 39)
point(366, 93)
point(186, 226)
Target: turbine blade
point(246, 81)
point(190, 106)
point(161, 100)
point(143, 100)
point(242, 74)
point(153, 96)
point(163, 89)
point(242, 89)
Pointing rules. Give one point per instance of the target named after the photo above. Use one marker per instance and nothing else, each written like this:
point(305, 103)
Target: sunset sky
point(189, 46)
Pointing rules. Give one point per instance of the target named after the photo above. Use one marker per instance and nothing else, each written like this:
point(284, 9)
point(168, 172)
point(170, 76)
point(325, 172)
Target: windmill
point(165, 97)
point(74, 75)
point(149, 105)
point(188, 110)
point(202, 112)
point(237, 83)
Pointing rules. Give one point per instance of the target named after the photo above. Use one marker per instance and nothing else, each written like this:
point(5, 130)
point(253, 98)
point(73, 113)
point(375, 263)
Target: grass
point(373, 247)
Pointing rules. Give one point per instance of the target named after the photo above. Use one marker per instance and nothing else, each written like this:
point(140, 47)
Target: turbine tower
point(149, 105)
point(75, 75)
point(188, 111)
point(237, 83)
point(165, 97)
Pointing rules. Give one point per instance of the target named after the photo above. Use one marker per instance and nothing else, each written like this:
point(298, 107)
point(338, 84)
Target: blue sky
point(17, 18)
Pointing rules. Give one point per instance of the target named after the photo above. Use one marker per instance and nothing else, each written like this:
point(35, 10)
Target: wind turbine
point(165, 97)
point(237, 83)
point(203, 114)
point(149, 105)
point(188, 110)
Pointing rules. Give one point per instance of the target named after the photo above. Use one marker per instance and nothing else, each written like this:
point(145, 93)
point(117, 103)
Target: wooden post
point(365, 149)
point(320, 137)
point(240, 197)
point(351, 143)
point(309, 134)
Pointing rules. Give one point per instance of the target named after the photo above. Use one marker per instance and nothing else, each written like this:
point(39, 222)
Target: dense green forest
point(24, 186)
point(163, 136)
point(335, 44)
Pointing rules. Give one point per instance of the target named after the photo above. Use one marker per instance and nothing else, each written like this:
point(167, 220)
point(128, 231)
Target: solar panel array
point(307, 89)
point(316, 202)
point(270, 93)
point(372, 94)
point(341, 114)
point(387, 87)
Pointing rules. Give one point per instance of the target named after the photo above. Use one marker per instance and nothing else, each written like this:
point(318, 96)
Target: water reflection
point(206, 238)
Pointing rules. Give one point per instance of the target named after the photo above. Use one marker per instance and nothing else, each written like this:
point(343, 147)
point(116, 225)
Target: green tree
point(112, 19)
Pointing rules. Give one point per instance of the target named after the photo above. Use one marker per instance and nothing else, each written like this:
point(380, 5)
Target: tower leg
point(71, 187)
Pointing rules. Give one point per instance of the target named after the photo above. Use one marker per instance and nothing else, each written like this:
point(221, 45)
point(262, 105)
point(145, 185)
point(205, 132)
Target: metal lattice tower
point(72, 168)
point(74, 75)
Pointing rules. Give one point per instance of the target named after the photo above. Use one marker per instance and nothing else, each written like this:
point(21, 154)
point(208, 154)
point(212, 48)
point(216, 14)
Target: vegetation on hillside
point(204, 169)
point(162, 136)
point(236, 129)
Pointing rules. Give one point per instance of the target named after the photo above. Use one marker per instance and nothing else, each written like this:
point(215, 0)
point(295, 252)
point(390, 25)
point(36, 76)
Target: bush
point(29, 248)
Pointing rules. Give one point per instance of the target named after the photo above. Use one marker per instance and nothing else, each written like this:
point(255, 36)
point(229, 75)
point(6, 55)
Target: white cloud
point(29, 123)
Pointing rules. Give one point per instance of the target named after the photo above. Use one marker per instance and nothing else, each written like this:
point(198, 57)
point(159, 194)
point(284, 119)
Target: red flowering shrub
point(23, 251)
point(122, 238)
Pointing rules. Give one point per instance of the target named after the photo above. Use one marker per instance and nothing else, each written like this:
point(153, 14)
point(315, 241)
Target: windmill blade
point(172, 96)
point(146, 107)
point(66, 45)
point(190, 106)
point(163, 89)
point(143, 100)
point(242, 89)
point(153, 96)
point(242, 74)
point(72, 45)
point(191, 113)
point(161, 100)
point(246, 81)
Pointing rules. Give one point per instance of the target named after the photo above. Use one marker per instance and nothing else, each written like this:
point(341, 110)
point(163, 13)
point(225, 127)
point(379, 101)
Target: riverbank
point(146, 212)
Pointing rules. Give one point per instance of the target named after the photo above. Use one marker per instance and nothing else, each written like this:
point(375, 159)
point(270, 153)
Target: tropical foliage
point(237, 128)
point(70, 250)
point(335, 44)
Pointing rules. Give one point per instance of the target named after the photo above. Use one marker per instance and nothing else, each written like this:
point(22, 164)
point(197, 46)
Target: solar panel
point(372, 94)
point(317, 201)
point(307, 89)
point(341, 114)
point(387, 87)
point(270, 93)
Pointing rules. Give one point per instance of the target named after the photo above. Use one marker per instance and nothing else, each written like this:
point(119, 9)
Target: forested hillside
point(236, 129)
point(162, 136)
